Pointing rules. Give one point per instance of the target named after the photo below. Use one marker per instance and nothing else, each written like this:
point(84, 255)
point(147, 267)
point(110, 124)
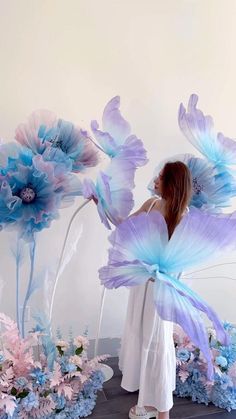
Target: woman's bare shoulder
point(147, 205)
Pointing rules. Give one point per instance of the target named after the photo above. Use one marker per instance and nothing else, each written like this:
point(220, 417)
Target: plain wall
point(71, 57)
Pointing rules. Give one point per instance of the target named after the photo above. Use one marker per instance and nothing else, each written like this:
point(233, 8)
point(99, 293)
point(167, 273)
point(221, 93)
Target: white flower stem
point(32, 259)
point(62, 255)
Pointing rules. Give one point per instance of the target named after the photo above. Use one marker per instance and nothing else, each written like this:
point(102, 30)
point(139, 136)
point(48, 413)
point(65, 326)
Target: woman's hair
point(176, 189)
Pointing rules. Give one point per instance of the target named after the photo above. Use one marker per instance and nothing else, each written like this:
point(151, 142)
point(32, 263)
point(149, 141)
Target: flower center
point(197, 187)
point(58, 143)
point(27, 195)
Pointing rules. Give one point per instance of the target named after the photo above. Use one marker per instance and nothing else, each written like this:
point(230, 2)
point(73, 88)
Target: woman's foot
point(146, 412)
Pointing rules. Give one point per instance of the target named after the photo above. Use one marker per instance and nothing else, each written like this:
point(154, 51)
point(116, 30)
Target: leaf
point(8, 403)
point(23, 394)
point(78, 351)
point(66, 389)
point(183, 375)
point(56, 375)
point(6, 377)
point(46, 406)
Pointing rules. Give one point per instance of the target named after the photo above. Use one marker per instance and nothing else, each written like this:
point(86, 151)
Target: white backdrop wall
point(72, 56)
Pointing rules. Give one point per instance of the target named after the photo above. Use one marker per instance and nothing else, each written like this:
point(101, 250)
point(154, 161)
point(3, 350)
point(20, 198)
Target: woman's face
point(158, 183)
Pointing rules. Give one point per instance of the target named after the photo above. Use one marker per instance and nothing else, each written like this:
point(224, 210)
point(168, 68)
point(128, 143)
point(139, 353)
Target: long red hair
point(177, 191)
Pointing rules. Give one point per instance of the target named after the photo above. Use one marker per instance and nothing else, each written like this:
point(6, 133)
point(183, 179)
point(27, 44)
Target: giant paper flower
point(113, 202)
point(141, 249)
point(199, 131)
point(32, 190)
point(125, 149)
point(212, 188)
point(43, 130)
point(112, 191)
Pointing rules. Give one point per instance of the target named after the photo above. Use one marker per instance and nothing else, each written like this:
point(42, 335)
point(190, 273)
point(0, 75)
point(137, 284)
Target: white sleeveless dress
point(147, 356)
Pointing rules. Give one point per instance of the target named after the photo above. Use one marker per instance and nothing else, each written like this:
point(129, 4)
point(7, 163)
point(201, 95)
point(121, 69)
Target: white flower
point(75, 359)
point(81, 341)
point(62, 344)
point(212, 332)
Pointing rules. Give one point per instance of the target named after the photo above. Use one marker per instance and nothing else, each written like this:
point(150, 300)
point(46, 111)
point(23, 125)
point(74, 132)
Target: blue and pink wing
point(199, 130)
point(123, 274)
point(141, 250)
point(199, 237)
point(137, 246)
point(177, 303)
point(142, 237)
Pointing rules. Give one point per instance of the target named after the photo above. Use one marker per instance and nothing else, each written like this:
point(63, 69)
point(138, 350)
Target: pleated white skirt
point(147, 356)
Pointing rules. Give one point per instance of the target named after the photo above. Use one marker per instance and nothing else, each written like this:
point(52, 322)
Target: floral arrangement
point(191, 373)
point(43, 379)
point(40, 173)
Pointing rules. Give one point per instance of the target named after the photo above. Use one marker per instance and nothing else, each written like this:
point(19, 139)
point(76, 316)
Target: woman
point(147, 357)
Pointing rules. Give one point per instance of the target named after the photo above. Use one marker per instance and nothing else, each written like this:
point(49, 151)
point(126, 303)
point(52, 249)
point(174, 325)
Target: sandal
point(137, 412)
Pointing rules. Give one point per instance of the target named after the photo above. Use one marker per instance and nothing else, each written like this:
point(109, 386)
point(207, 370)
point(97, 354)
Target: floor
point(114, 403)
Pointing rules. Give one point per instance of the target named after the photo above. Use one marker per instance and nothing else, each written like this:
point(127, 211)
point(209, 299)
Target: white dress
point(147, 356)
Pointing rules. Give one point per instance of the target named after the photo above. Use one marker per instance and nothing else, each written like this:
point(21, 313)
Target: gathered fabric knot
point(154, 269)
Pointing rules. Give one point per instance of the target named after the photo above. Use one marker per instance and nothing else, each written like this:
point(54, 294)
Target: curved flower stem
point(32, 259)
point(209, 267)
point(106, 369)
point(212, 277)
point(96, 145)
point(62, 255)
point(17, 285)
point(99, 321)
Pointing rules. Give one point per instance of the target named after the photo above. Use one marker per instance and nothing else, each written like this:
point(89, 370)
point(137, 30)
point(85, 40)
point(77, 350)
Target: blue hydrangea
point(67, 366)
point(60, 401)
point(225, 399)
point(39, 376)
point(223, 391)
point(221, 361)
point(21, 381)
point(229, 353)
point(183, 354)
point(30, 401)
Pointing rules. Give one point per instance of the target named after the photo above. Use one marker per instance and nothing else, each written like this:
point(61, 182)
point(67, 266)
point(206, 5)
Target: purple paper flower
point(113, 202)
point(125, 149)
point(112, 191)
point(43, 130)
point(199, 130)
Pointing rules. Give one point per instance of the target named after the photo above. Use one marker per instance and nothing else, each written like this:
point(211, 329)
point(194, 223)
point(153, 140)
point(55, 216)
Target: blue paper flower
point(229, 353)
point(32, 190)
point(213, 187)
point(39, 376)
point(44, 133)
